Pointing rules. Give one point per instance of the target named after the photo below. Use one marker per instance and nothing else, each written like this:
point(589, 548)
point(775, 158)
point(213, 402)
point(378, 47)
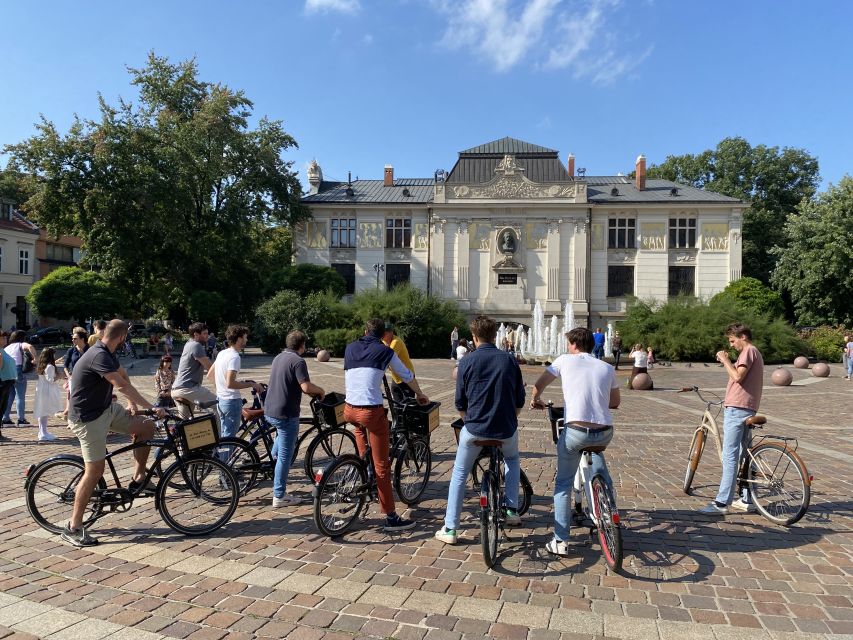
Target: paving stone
point(525, 615)
point(47, 623)
point(86, 630)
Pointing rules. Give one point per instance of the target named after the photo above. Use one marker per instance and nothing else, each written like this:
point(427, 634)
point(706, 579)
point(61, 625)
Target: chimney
point(571, 165)
point(641, 172)
point(389, 175)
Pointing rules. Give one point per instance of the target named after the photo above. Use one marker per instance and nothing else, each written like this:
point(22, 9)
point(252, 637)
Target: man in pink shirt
point(743, 393)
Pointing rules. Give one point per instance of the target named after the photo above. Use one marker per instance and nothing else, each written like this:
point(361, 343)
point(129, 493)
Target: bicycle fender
point(60, 456)
point(346, 456)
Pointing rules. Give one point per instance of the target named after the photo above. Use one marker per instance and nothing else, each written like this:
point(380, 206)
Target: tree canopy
point(772, 180)
point(750, 294)
point(172, 193)
point(70, 293)
point(816, 262)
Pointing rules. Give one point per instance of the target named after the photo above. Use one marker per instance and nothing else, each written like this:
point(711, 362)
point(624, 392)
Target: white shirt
point(641, 359)
point(587, 382)
point(460, 352)
point(16, 350)
point(454, 335)
point(226, 360)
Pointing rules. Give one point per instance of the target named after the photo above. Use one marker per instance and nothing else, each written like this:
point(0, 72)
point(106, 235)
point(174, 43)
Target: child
point(49, 396)
point(168, 343)
point(163, 379)
point(650, 356)
point(462, 349)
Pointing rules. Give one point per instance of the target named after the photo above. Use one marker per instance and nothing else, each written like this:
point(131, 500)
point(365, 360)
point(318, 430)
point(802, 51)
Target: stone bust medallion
point(507, 243)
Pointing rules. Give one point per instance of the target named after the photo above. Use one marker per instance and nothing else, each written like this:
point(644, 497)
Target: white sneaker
point(740, 505)
point(712, 509)
point(46, 437)
point(285, 501)
point(447, 536)
point(557, 547)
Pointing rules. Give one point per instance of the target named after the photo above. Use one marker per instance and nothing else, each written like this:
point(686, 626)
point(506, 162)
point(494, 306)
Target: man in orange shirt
point(743, 394)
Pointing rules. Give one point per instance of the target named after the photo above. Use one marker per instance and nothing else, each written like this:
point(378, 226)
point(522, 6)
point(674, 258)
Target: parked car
point(50, 335)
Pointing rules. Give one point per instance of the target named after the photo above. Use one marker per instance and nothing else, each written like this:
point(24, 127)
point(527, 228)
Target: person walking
point(19, 349)
point(365, 362)
point(598, 350)
point(8, 375)
point(616, 347)
point(194, 363)
point(49, 396)
point(590, 391)
point(454, 342)
point(224, 371)
point(848, 351)
point(489, 397)
point(400, 391)
point(743, 396)
point(289, 379)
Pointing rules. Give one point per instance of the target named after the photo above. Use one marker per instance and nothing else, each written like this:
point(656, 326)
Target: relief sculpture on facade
point(370, 235)
point(479, 236)
point(653, 236)
point(510, 183)
point(421, 241)
point(715, 237)
point(316, 235)
point(536, 235)
point(598, 237)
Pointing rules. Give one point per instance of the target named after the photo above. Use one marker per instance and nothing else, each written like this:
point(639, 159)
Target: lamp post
point(378, 268)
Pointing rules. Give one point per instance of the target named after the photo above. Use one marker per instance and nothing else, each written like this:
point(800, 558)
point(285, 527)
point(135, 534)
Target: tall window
point(59, 252)
point(398, 233)
point(682, 281)
point(682, 233)
point(343, 232)
point(396, 274)
point(24, 262)
point(347, 272)
point(620, 281)
point(622, 233)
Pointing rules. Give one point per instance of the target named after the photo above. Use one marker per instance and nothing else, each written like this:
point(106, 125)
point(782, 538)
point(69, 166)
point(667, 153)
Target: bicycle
point(343, 490)
point(601, 511)
point(196, 495)
point(763, 470)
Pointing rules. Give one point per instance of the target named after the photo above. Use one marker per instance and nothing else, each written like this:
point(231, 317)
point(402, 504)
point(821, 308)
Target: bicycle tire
point(609, 530)
point(326, 447)
point(489, 518)
point(243, 460)
point(525, 493)
point(339, 496)
point(697, 446)
point(413, 464)
point(302, 438)
point(778, 460)
point(208, 495)
point(50, 491)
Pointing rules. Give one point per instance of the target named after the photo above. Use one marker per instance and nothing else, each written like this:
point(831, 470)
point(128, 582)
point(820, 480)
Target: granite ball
point(820, 370)
point(323, 356)
point(782, 377)
point(642, 382)
point(801, 362)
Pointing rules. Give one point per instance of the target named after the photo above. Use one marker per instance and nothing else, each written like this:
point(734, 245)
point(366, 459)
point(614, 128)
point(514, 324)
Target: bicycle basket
point(197, 434)
point(332, 409)
point(422, 419)
point(457, 428)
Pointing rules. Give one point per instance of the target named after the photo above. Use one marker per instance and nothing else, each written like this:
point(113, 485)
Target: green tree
point(306, 279)
point(750, 294)
point(287, 311)
point(169, 189)
point(772, 181)
point(206, 306)
point(16, 186)
point(815, 265)
point(70, 293)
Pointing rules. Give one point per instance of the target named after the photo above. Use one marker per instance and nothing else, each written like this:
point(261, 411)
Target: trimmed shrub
point(752, 295)
point(827, 343)
point(336, 340)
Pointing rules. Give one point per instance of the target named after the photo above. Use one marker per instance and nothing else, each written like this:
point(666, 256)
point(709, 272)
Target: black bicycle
point(492, 500)
point(195, 495)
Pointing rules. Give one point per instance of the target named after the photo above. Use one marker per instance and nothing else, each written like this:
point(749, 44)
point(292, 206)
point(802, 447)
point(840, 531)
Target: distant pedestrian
point(454, 342)
point(49, 396)
point(8, 375)
point(168, 343)
point(20, 350)
point(598, 349)
point(462, 349)
point(848, 350)
point(650, 357)
point(616, 347)
point(641, 362)
point(164, 378)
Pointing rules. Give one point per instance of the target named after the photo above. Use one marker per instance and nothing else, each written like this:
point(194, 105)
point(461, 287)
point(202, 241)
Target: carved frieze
point(653, 236)
point(715, 236)
point(480, 236)
point(598, 237)
point(510, 183)
point(421, 241)
point(621, 256)
point(370, 235)
point(536, 235)
point(316, 234)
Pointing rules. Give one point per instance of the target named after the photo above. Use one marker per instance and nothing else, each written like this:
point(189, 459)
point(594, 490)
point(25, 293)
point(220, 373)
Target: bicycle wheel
point(779, 483)
point(411, 473)
point(481, 466)
point(50, 491)
point(306, 436)
point(609, 530)
point(243, 460)
point(327, 446)
point(696, 449)
point(525, 494)
point(340, 495)
point(203, 499)
point(489, 518)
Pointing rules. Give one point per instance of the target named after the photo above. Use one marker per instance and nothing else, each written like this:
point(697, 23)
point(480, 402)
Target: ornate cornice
point(509, 184)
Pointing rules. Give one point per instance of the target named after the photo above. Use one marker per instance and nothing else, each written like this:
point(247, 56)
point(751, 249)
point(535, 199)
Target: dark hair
point(46, 357)
point(295, 340)
point(79, 332)
point(739, 330)
point(582, 338)
point(164, 360)
point(100, 325)
point(196, 327)
point(234, 332)
point(484, 328)
point(18, 336)
point(375, 327)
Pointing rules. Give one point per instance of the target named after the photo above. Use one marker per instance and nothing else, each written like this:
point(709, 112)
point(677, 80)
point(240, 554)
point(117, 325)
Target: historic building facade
point(510, 224)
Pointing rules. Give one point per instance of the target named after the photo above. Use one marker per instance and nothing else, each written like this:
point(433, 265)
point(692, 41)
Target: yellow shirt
point(92, 339)
point(402, 352)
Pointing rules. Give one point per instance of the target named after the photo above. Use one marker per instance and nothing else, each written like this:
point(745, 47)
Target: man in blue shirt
point(489, 397)
point(598, 349)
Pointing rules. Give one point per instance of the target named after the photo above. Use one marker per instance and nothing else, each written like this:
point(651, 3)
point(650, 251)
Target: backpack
point(27, 359)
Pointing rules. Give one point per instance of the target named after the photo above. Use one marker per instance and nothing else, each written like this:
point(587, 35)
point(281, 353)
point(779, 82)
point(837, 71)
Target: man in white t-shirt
point(590, 390)
point(224, 371)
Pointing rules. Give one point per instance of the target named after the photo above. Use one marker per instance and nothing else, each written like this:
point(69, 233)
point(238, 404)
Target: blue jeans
point(229, 417)
point(466, 454)
point(19, 391)
point(568, 459)
point(282, 451)
point(735, 442)
point(849, 366)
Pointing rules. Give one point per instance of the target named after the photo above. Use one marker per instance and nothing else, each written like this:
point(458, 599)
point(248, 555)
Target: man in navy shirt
point(489, 397)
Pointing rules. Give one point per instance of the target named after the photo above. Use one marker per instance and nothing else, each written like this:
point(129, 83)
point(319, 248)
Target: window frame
point(675, 268)
point(23, 262)
point(683, 232)
point(336, 229)
point(398, 233)
point(624, 226)
point(336, 265)
point(610, 280)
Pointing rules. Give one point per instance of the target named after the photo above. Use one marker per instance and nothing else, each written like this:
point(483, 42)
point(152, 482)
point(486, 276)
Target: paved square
point(268, 573)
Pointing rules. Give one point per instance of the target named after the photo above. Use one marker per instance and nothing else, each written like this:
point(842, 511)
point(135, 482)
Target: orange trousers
point(375, 423)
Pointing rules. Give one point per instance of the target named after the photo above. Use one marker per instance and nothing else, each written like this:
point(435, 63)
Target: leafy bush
point(70, 293)
point(826, 343)
point(287, 311)
point(306, 279)
point(752, 295)
point(336, 340)
point(686, 329)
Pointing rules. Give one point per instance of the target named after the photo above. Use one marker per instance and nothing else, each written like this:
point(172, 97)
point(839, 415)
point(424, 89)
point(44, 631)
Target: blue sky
point(362, 83)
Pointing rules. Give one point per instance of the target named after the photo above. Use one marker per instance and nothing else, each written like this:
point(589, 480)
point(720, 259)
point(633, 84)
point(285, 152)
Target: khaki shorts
point(93, 434)
point(194, 394)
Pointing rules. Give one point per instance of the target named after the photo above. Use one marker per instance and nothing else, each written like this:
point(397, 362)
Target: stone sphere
point(820, 370)
point(455, 370)
point(782, 377)
point(801, 362)
point(642, 382)
point(323, 356)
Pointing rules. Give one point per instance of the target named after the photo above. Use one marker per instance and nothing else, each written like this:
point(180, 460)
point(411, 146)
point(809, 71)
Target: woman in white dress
point(49, 395)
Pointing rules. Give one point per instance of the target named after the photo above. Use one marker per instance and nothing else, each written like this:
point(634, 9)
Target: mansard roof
point(412, 191)
point(477, 165)
point(599, 190)
point(508, 145)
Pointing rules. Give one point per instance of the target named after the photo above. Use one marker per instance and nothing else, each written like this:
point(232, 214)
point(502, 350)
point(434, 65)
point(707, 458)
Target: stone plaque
point(598, 237)
point(370, 235)
point(316, 235)
point(507, 278)
point(715, 236)
point(653, 236)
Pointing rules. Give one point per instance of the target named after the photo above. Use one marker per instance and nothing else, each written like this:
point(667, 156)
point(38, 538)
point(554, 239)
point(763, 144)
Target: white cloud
point(367, 38)
point(344, 6)
point(543, 34)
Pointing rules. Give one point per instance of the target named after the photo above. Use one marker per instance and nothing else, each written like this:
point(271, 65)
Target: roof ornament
point(440, 175)
point(581, 172)
point(508, 166)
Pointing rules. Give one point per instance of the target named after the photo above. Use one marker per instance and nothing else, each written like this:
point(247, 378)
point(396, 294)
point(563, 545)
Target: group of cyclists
point(490, 395)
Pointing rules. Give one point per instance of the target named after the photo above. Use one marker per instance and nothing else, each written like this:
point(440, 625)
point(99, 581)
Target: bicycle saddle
point(596, 449)
point(252, 414)
point(754, 421)
point(488, 443)
point(207, 404)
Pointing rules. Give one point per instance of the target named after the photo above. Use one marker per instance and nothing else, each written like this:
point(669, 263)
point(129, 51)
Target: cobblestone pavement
point(268, 573)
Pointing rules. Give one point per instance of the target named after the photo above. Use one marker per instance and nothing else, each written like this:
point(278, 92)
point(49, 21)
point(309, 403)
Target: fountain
point(501, 336)
point(556, 339)
point(608, 340)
